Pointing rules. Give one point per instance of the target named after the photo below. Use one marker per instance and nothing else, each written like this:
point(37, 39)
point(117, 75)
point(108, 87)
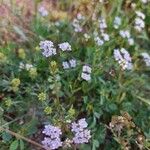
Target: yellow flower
point(71, 112)
point(2, 58)
point(33, 72)
point(21, 53)
point(15, 82)
point(53, 67)
point(42, 96)
point(37, 48)
point(8, 102)
point(48, 110)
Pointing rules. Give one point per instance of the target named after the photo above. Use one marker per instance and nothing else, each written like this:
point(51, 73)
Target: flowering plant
point(73, 75)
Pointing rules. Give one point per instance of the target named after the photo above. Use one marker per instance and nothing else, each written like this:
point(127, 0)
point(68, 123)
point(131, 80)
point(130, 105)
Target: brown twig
point(22, 137)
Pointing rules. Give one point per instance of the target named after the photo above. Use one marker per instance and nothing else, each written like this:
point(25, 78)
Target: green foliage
point(35, 90)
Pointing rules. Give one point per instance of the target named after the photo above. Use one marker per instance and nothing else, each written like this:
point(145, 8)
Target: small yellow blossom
point(33, 72)
point(21, 53)
point(42, 96)
point(8, 102)
point(2, 58)
point(15, 82)
point(48, 110)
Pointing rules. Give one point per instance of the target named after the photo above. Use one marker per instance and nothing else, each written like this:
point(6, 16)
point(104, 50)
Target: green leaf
point(21, 145)
point(14, 145)
point(6, 136)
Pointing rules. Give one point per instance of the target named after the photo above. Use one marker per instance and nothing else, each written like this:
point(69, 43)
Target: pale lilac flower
point(69, 64)
point(123, 58)
point(146, 58)
point(82, 137)
point(117, 22)
point(82, 123)
point(124, 33)
point(81, 134)
point(86, 72)
point(48, 48)
point(73, 63)
point(139, 21)
point(99, 41)
point(102, 24)
point(52, 141)
point(51, 144)
point(65, 65)
point(86, 69)
point(52, 131)
point(43, 11)
point(86, 76)
point(105, 36)
point(77, 23)
point(65, 46)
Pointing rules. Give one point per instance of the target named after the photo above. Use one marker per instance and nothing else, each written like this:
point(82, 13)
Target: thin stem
point(22, 137)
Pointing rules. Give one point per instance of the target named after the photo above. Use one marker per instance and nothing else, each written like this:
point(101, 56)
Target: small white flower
point(65, 65)
point(65, 46)
point(117, 22)
point(140, 14)
point(146, 57)
point(86, 76)
point(21, 65)
point(87, 69)
point(87, 37)
point(43, 11)
point(131, 41)
point(73, 63)
point(99, 41)
point(80, 16)
point(105, 36)
point(145, 1)
point(28, 66)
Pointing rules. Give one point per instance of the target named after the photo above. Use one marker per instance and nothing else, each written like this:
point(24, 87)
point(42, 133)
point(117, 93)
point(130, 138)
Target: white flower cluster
point(25, 66)
point(146, 58)
point(139, 21)
point(86, 73)
point(77, 23)
point(126, 34)
point(100, 41)
point(145, 1)
point(69, 64)
point(65, 46)
point(48, 48)
point(87, 36)
point(117, 22)
point(102, 24)
point(43, 11)
point(123, 58)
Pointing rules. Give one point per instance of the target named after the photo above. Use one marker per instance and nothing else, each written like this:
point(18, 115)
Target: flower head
point(82, 135)
point(48, 48)
point(65, 46)
point(43, 11)
point(123, 58)
point(53, 140)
